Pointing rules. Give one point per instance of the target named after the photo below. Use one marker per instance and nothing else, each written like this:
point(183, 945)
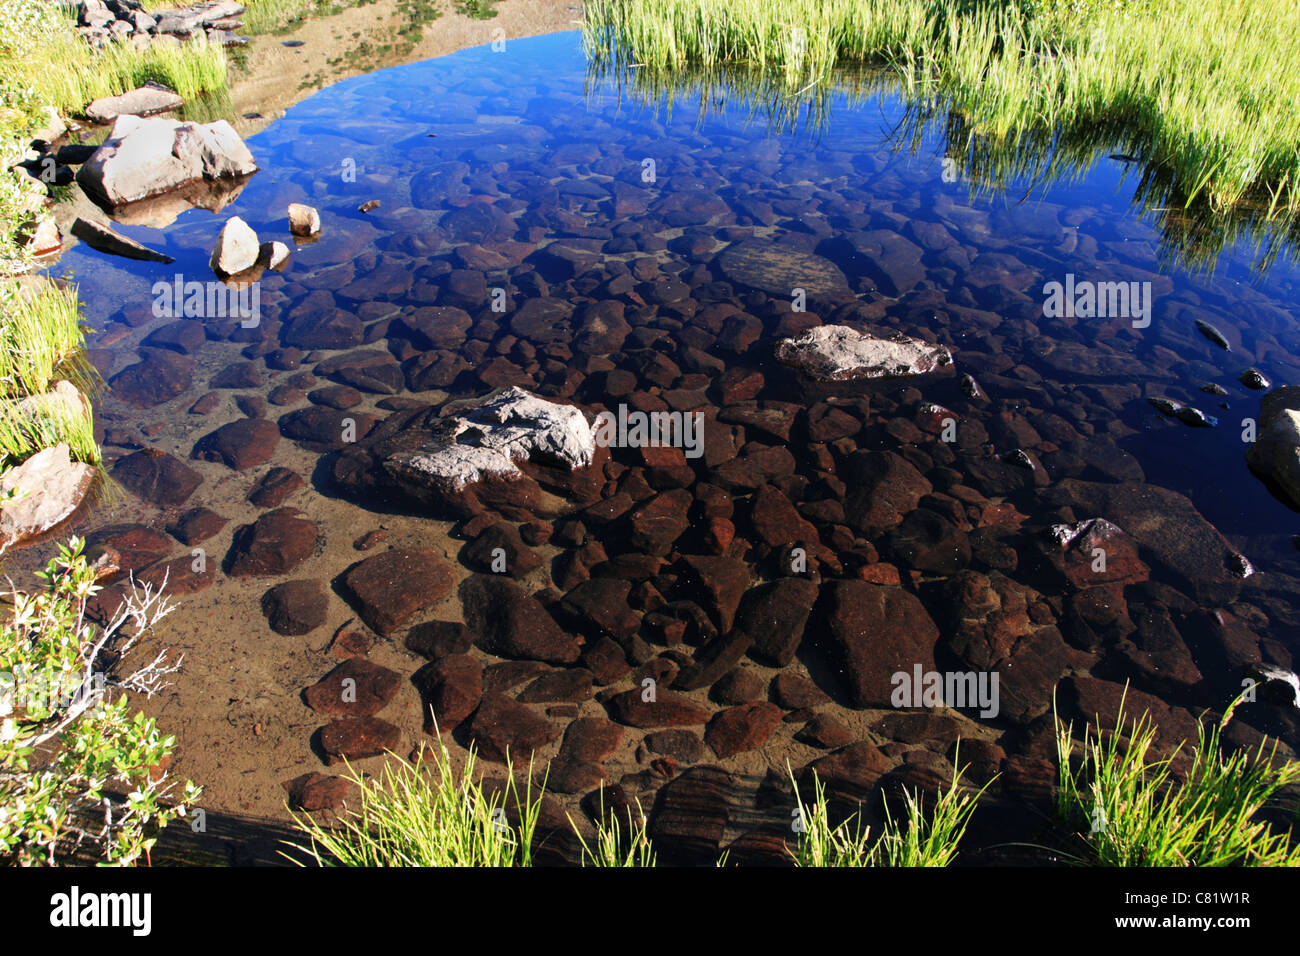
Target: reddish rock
point(601, 605)
point(241, 444)
point(825, 731)
point(848, 773)
point(502, 727)
point(390, 587)
point(721, 582)
point(197, 524)
point(884, 487)
point(738, 686)
point(358, 737)
point(742, 728)
point(352, 644)
point(275, 544)
point(718, 535)
point(499, 549)
point(691, 817)
point(660, 522)
point(875, 632)
point(160, 376)
point(355, 688)
point(570, 684)
point(316, 791)
point(295, 607)
point(435, 639)
point(273, 488)
point(590, 739)
point(775, 614)
point(797, 693)
point(666, 710)
point(156, 477)
point(510, 623)
point(135, 546)
point(450, 690)
point(683, 745)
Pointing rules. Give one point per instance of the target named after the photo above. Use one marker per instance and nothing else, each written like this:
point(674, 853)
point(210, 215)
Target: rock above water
point(303, 220)
point(49, 487)
point(237, 248)
point(146, 157)
point(103, 238)
point(390, 587)
point(142, 101)
point(1275, 454)
point(837, 353)
point(485, 438)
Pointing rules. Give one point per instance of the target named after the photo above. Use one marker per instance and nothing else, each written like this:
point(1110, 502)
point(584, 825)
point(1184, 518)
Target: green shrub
point(80, 773)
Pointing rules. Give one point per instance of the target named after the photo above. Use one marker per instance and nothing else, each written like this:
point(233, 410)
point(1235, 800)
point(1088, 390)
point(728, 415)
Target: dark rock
point(358, 737)
point(390, 587)
point(295, 607)
point(241, 444)
point(502, 728)
point(776, 614)
point(450, 690)
point(274, 487)
point(742, 728)
point(874, 632)
point(275, 544)
point(665, 710)
point(156, 477)
point(355, 688)
point(197, 524)
point(510, 623)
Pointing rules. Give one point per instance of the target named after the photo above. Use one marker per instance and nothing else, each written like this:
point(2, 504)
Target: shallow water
point(482, 159)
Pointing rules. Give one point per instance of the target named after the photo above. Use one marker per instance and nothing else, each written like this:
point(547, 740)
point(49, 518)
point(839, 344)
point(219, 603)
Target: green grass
point(1202, 92)
point(40, 343)
point(405, 817)
point(920, 837)
point(477, 9)
point(617, 844)
point(1132, 809)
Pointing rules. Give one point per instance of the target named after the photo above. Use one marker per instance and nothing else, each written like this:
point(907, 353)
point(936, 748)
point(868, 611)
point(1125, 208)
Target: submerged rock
point(837, 353)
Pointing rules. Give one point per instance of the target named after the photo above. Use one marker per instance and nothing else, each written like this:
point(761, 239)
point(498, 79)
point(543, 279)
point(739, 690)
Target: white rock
point(273, 255)
point(237, 248)
point(1275, 453)
point(485, 437)
point(50, 486)
point(835, 353)
point(145, 157)
point(303, 220)
point(142, 101)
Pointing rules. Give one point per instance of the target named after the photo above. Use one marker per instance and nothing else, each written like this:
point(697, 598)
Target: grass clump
point(617, 844)
point(1138, 813)
point(41, 344)
point(406, 818)
point(920, 837)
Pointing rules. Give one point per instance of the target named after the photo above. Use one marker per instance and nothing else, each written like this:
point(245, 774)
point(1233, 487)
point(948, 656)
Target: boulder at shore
point(837, 353)
point(49, 486)
point(146, 157)
point(1275, 453)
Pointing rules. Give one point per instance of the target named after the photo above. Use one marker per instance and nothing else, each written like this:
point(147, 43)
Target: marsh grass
point(425, 814)
point(1133, 810)
point(923, 835)
point(1201, 93)
point(617, 844)
point(40, 343)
